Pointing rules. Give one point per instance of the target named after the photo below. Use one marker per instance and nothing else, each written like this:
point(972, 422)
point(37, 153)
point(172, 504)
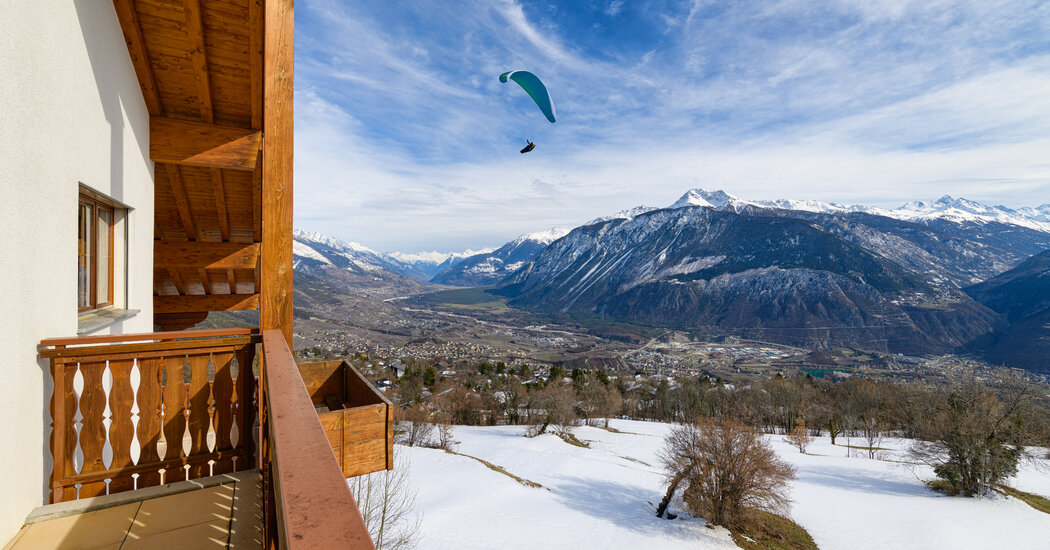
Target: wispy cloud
point(406, 140)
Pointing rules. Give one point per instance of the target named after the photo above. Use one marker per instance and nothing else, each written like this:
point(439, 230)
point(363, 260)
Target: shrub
point(725, 469)
point(972, 439)
point(799, 435)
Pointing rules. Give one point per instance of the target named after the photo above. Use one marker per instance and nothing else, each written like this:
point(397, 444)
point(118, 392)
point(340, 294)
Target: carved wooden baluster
point(246, 405)
point(222, 392)
point(64, 433)
point(121, 430)
point(198, 414)
point(174, 414)
point(149, 427)
point(93, 431)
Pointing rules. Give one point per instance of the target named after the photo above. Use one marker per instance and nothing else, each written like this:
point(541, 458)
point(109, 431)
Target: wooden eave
point(201, 70)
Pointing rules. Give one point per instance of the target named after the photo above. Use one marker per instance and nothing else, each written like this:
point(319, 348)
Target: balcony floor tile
point(197, 519)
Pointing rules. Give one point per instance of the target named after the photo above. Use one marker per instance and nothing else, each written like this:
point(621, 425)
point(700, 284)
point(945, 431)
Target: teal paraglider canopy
point(535, 88)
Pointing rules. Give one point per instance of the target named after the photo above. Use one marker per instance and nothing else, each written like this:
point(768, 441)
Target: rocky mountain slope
point(1022, 297)
point(347, 267)
point(755, 273)
point(492, 267)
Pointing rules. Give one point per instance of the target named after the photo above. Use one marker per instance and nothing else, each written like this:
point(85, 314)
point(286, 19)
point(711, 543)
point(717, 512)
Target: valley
point(450, 327)
point(711, 286)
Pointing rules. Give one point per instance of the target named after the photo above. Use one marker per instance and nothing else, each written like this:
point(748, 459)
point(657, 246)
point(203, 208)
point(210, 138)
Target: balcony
point(172, 434)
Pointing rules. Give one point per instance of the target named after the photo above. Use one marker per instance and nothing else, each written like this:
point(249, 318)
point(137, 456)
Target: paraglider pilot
point(528, 147)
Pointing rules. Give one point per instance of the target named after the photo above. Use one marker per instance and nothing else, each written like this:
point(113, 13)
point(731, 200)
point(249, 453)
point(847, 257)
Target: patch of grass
point(463, 297)
point(571, 439)
point(642, 462)
point(494, 306)
point(942, 486)
point(497, 468)
point(1038, 502)
point(764, 530)
point(863, 448)
point(615, 431)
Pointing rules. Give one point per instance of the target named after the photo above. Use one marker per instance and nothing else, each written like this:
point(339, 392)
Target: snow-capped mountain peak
point(629, 214)
point(542, 237)
point(435, 257)
point(947, 208)
point(332, 242)
point(700, 197)
point(965, 210)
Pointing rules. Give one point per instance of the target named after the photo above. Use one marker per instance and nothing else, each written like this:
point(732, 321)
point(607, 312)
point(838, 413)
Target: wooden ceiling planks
point(200, 61)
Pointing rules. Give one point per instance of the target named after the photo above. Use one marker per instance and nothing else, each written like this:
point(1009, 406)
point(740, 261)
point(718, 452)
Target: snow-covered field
point(603, 497)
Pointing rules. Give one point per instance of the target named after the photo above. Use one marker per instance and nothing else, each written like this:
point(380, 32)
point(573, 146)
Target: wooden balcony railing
point(134, 411)
point(308, 502)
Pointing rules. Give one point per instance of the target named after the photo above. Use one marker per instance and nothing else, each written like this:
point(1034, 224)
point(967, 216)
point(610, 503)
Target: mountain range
point(792, 271)
point(491, 267)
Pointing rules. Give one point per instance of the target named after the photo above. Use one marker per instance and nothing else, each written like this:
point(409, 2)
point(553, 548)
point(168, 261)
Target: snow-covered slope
point(603, 497)
point(315, 247)
point(343, 267)
point(964, 210)
point(491, 267)
point(623, 214)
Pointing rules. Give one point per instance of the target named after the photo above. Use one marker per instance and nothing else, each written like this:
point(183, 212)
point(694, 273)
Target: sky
point(406, 140)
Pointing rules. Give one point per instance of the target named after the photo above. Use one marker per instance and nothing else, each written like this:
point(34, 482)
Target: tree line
point(972, 431)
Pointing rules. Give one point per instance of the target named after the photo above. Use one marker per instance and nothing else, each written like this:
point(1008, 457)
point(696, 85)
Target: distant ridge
point(492, 267)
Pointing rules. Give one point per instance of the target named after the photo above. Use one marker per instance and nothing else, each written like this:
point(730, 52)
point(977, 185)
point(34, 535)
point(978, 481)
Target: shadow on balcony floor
point(222, 511)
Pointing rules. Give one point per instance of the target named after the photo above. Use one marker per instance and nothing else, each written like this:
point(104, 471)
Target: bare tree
point(414, 424)
point(556, 405)
point(872, 429)
point(386, 500)
point(511, 395)
point(725, 469)
point(799, 435)
point(599, 401)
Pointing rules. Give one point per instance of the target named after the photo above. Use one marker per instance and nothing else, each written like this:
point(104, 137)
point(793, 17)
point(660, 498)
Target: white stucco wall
point(71, 112)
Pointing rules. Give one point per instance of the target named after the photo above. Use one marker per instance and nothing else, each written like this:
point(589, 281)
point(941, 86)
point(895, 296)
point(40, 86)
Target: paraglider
point(537, 91)
point(535, 88)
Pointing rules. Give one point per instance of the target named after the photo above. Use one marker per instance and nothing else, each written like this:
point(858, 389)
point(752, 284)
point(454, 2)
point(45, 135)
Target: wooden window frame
point(96, 206)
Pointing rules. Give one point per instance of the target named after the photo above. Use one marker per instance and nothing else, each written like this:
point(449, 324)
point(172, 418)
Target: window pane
point(103, 260)
point(84, 244)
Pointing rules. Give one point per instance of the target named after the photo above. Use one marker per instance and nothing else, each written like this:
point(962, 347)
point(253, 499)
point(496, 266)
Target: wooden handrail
point(311, 505)
point(147, 336)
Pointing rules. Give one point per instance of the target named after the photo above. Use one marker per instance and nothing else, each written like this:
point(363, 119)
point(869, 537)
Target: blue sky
point(406, 140)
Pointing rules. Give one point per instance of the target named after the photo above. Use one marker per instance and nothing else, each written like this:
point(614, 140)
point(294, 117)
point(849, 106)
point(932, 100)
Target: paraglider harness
point(528, 147)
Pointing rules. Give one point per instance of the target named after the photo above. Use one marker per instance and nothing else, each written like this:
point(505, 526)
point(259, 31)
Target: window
point(95, 254)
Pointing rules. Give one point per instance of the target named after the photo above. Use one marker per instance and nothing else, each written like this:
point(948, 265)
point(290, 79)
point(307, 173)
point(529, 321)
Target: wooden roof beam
point(199, 144)
point(176, 280)
point(129, 25)
point(181, 202)
point(205, 281)
point(207, 302)
point(205, 255)
point(255, 60)
point(220, 203)
point(198, 54)
point(179, 321)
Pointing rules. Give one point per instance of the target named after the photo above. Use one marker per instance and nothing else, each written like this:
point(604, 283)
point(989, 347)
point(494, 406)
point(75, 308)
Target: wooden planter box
point(357, 418)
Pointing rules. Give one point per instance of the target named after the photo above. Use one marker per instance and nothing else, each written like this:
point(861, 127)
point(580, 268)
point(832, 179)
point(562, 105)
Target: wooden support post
point(275, 308)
